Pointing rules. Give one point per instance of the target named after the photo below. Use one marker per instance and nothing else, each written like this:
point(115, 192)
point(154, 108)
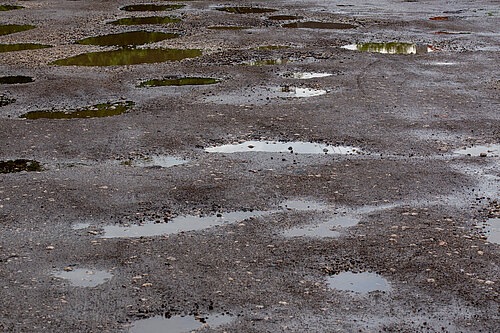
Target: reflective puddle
point(178, 224)
point(326, 229)
point(246, 10)
point(492, 230)
point(128, 57)
point(6, 29)
point(284, 17)
point(81, 277)
point(362, 283)
point(299, 92)
point(145, 20)
point(19, 165)
point(150, 8)
point(492, 150)
point(304, 205)
point(305, 75)
point(319, 25)
point(176, 81)
point(127, 38)
point(227, 28)
point(159, 161)
point(179, 324)
point(22, 47)
point(95, 111)
point(17, 79)
point(390, 48)
point(4, 100)
point(284, 147)
point(4, 8)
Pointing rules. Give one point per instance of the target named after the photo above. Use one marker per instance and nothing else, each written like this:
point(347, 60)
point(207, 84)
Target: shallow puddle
point(4, 100)
point(16, 79)
point(246, 10)
point(325, 229)
point(179, 324)
point(492, 150)
point(284, 147)
point(227, 28)
point(390, 48)
point(319, 25)
point(492, 230)
point(266, 62)
point(6, 29)
point(158, 161)
point(362, 283)
point(4, 8)
point(128, 56)
point(80, 226)
point(305, 75)
point(128, 38)
point(304, 205)
point(22, 47)
point(150, 8)
point(145, 20)
point(81, 277)
point(177, 225)
point(95, 111)
point(284, 17)
point(176, 81)
point(19, 165)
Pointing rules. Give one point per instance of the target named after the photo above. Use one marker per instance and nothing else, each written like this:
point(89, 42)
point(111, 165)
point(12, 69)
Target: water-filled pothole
point(6, 29)
point(22, 47)
point(362, 283)
point(284, 147)
point(94, 111)
point(179, 324)
point(491, 150)
point(128, 38)
point(178, 224)
point(284, 17)
point(319, 25)
point(390, 48)
point(178, 81)
point(305, 75)
point(329, 228)
point(128, 56)
point(150, 8)
point(4, 8)
point(4, 100)
point(81, 277)
point(492, 230)
point(155, 161)
point(15, 79)
point(145, 20)
point(227, 28)
point(19, 165)
point(246, 10)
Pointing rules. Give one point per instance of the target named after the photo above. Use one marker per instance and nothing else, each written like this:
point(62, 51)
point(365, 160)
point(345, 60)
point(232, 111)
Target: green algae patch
point(19, 165)
point(150, 8)
point(145, 20)
point(227, 28)
point(94, 111)
point(6, 29)
point(17, 79)
point(319, 25)
point(4, 100)
point(246, 10)
point(127, 38)
point(128, 56)
point(22, 47)
point(4, 8)
point(176, 81)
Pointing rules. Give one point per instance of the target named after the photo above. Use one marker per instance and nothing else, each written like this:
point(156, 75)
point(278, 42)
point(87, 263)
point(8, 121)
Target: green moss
point(21, 47)
point(19, 165)
point(128, 56)
point(6, 100)
point(9, 7)
point(185, 81)
point(150, 8)
point(6, 29)
point(15, 79)
point(145, 20)
point(127, 38)
point(95, 111)
point(246, 10)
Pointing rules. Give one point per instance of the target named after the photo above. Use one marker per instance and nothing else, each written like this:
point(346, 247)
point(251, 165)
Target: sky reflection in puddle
point(81, 277)
point(362, 283)
point(491, 150)
point(284, 147)
point(178, 324)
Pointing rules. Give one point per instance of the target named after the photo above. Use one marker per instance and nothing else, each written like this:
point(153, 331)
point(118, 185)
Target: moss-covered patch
point(4, 8)
point(150, 8)
point(246, 10)
point(94, 111)
point(17, 79)
point(145, 20)
point(128, 38)
point(4, 100)
point(6, 29)
point(22, 47)
point(19, 165)
point(175, 81)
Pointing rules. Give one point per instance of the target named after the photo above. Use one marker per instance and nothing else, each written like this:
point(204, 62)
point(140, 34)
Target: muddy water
point(19, 165)
point(84, 277)
point(492, 230)
point(160, 161)
point(246, 10)
point(329, 228)
point(284, 147)
point(390, 48)
point(4, 8)
point(6, 29)
point(284, 17)
point(22, 47)
point(362, 283)
point(179, 324)
point(95, 111)
point(491, 150)
point(127, 38)
point(145, 20)
point(17, 79)
point(176, 81)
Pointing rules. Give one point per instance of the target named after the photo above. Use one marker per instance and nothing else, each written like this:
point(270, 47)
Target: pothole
point(329, 228)
point(304, 205)
point(128, 38)
point(94, 111)
point(150, 8)
point(15, 79)
point(179, 324)
point(4, 8)
point(305, 75)
point(6, 29)
point(284, 17)
point(145, 20)
point(264, 95)
point(361, 283)
point(155, 161)
point(492, 230)
point(227, 28)
point(390, 48)
point(319, 25)
point(491, 150)
point(22, 47)
point(128, 56)
point(246, 10)
point(19, 165)
point(81, 277)
point(178, 81)
point(284, 147)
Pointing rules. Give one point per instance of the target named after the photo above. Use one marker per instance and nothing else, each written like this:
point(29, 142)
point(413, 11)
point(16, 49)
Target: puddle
point(442, 63)
point(128, 38)
point(17, 79)
point(246, 10)
point(266, 62)
point(4, 8)
point(272, 47)
point(179, 324)
point(304, 205)
point(81, 277)
point(128, 56)
point(228, 28)
point(80, 226)
point(6, 29)
point(22, 47)
point(300, 92)
point(4, 100)
point(362, 283)
point(325, 229)
point(94, 111)
point(305, 75)
point(492, 230)
point(145, 20)
point(177, 225)
point(439, 18)
point(159, 161)
point(492, 150)
point(284, 147)
point(284, 17)
point(150, 8)
point(176, 81)
point(390, 48)
point(319, 25)
point(19, 165)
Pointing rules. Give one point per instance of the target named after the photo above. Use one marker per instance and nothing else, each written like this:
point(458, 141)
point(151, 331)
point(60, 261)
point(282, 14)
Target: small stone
point(283, 303)
point(68, 269)
point(431, 280)
point(483, 155)
point(147, 284)
point(480, 253)
point(50, 248)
